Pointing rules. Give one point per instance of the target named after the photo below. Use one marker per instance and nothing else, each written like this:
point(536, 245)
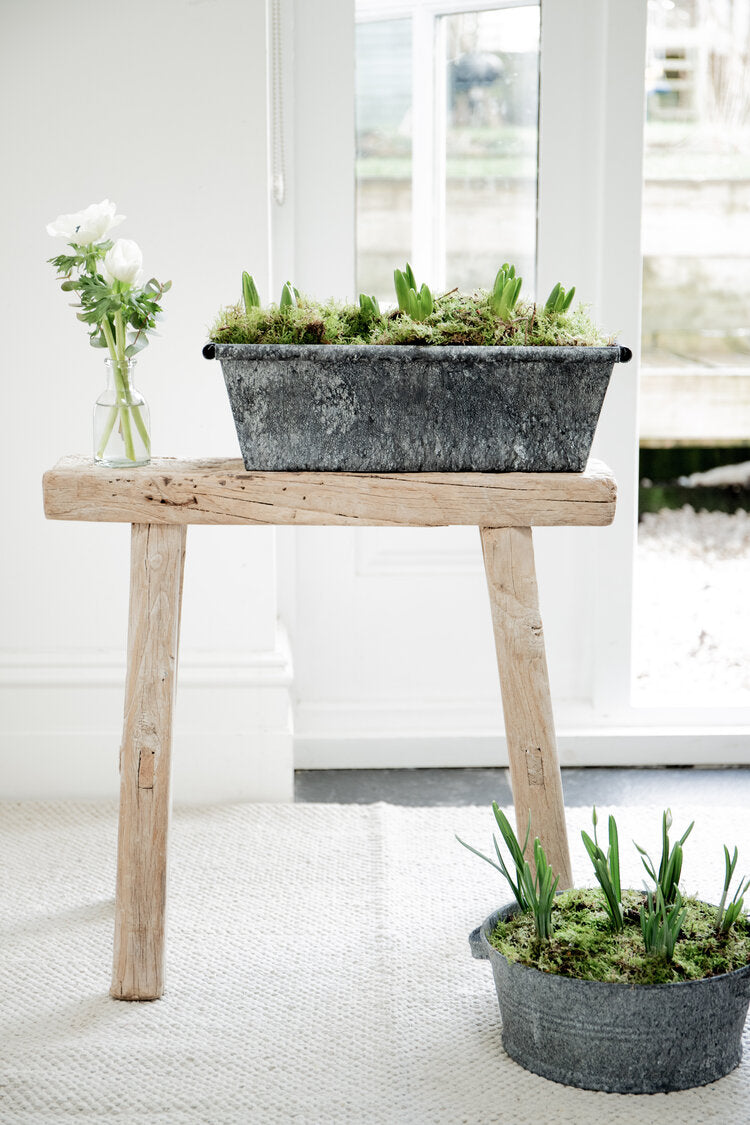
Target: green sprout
point(535, 894)
point(369, 306)
point(541, 892)
point(607, 870)
point(289, 296)
point(417, 304)
point(661, 925)
point(670, 867)
point(725, 919)
point(249, 292)
point(505, 292)
point(559, 301)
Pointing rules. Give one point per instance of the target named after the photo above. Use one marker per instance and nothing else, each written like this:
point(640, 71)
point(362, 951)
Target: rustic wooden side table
point(161, 499)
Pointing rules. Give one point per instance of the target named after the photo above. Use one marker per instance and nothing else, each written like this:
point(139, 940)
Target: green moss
point(583, 946)
point(457, 319)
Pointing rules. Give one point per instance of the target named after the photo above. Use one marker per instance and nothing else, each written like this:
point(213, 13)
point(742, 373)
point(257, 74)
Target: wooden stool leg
point(156, 567)
point(524, 682)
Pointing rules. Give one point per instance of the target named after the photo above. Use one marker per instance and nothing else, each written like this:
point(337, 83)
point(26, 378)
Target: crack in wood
point(146, 767)
point(535, 766)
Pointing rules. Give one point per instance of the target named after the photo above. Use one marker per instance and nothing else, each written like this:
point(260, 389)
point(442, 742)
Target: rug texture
point(318, 972)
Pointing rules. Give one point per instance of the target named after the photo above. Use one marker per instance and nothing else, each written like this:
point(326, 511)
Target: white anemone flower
point(85, 227)
point(123, 262)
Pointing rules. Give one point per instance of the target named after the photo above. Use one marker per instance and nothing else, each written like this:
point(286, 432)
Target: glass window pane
point(465, 85)
point(492, 81)
point(692, 617)
point(383, 115)
point(696, 213)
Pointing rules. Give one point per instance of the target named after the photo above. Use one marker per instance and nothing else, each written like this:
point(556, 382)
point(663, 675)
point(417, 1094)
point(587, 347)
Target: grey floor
point(667, 787)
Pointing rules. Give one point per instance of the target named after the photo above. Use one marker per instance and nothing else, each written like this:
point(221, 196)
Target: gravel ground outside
point(691, 627)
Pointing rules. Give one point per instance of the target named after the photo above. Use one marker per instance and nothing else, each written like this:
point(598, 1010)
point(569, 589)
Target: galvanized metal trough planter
point(625, 1039)
point(381, 408)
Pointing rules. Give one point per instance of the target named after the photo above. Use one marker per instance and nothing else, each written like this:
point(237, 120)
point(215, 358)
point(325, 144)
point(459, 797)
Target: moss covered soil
point(463, 319)
point(584, 947)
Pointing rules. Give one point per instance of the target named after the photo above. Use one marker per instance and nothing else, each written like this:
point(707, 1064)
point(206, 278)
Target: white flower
point(123, 262)
point(85, 227)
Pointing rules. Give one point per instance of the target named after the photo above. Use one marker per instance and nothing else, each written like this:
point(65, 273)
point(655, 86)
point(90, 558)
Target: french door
point(461, 135)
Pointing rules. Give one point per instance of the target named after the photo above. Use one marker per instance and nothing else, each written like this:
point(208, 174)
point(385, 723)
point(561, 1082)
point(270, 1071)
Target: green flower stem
point(121, 388)
point(135, 410)
point(113, 412)
point(122, 363)
point(140, 425)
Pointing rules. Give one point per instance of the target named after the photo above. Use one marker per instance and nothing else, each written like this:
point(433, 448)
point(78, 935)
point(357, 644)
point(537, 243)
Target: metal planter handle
point(478, 949)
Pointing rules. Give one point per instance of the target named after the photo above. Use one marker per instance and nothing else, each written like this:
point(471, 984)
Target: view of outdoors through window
point(491, 61)
point(692, 612)
point(384, 112)
point(446, 177)
point(446, 112)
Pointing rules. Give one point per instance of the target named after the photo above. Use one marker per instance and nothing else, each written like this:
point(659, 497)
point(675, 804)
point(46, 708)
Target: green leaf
point(402, 289)
point(369, 305)
point(249, 292)
point(412, 304)
point(137, 346)
point(481, 855)
point(505, 292)
point(288, 297)
point(614, 858)
point(590, 846)
point(551, 305)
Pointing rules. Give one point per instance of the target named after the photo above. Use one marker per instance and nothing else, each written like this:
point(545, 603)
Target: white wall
point(161, 107)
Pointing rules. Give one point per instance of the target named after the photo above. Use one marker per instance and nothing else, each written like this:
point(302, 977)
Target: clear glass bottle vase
point(122, 427)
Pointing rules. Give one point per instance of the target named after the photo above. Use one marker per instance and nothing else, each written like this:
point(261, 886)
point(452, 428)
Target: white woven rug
point(318, 973)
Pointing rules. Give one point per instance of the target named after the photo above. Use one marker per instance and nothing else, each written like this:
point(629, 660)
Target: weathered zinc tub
point(625, 1039)
point(415, 409)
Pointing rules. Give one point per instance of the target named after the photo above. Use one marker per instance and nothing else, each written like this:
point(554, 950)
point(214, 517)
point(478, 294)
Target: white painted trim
point(470, 718)
point(369, 11)
point(619, 301)
point(438, 272)
point(644, 746)
point(106, 668)
point(424, 157)
point(62, 715)
point(208, 766)
point(592, 87)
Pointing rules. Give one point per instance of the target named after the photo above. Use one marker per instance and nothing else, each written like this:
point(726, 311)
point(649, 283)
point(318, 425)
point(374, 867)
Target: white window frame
point(589, 218)
point(428, 110)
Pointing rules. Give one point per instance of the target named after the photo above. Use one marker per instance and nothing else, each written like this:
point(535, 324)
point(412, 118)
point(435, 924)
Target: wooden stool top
point(173, 491)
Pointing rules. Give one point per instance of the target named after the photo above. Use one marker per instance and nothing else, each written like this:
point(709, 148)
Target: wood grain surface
point(156, 569)
point(171, 491)
point(524, 683)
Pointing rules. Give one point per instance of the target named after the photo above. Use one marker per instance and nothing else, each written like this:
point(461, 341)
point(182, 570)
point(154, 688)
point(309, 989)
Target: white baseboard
point(446, 733)
point(607, 747)
point(62, 717)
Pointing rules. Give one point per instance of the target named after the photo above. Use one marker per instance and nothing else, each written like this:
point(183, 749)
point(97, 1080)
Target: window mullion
point(423, 131)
